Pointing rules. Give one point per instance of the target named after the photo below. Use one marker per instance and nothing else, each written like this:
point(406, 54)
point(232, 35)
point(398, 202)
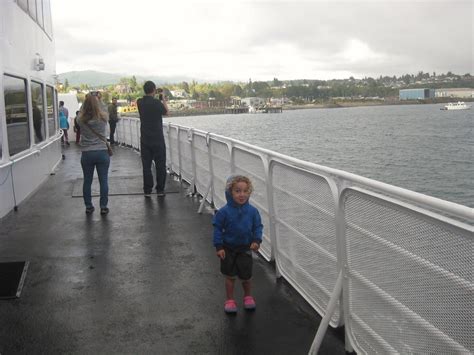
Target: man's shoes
point(67, 143)
point(160, 193)
point(147, 194)
point(90, 210)
point(104, 211)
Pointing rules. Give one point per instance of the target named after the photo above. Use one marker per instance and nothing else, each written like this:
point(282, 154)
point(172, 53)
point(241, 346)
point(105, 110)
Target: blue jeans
point(95, 159)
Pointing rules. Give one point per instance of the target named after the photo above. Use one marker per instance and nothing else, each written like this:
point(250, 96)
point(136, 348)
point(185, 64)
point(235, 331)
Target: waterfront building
point(455, 92)
point(417, 94)
point(252, 101)
point(179, 94)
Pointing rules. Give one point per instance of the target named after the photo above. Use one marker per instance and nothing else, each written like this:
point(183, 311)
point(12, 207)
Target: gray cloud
point(266, 39)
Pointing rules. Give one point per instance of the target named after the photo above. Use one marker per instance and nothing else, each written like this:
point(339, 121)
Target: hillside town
point(273, 96)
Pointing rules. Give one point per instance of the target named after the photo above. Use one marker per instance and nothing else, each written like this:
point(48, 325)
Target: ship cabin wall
point(29, 135)
point(27, 64)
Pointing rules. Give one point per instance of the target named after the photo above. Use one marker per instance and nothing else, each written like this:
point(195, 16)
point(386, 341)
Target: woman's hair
point(231, 181)
point(90, 109)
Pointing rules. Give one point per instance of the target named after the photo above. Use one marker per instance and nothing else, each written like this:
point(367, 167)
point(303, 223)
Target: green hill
point(97, 79)
point(89, 77)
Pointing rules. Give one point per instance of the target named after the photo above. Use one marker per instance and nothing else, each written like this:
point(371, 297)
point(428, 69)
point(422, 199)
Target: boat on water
point(392, 266)
point(460, 105)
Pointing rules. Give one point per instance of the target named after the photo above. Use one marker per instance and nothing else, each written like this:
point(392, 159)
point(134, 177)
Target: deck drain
point(12, 277)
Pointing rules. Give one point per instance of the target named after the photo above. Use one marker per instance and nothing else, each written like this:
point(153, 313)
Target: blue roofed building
point(416, 94)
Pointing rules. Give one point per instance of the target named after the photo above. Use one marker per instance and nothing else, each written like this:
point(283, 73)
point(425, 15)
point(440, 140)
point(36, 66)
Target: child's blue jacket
point(236, 226)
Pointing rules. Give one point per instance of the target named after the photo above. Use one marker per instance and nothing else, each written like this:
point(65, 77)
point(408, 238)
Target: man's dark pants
point(153, 152)
point(113, 126)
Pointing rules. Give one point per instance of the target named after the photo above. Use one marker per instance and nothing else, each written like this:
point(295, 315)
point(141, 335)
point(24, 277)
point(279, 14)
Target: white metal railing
point(392, 265)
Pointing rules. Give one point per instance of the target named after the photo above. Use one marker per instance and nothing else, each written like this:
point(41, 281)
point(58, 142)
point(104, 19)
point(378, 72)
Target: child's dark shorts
point(237, 263)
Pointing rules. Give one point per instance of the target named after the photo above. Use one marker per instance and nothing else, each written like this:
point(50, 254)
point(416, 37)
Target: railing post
point(201, 205)
point(271, 214)
point(168, 147)
point(323, 326)
point(178, 138)
point(117, 131)
point(193, 159)
point(230, 146)
point(170, 143)
point(211, 168)
point(137, 124)
point(342, 262)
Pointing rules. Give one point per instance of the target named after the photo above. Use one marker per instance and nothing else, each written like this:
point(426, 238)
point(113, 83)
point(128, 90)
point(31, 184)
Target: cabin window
point(37, 104)
point(50, 109)
point(16, 113)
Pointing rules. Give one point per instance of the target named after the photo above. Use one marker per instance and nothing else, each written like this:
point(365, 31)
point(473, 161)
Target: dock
point(143, 279)
point(245, 109)
point(273, 109)
point(234, 110)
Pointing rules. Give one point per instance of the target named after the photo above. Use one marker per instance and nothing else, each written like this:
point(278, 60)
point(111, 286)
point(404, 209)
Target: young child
point(237, 231)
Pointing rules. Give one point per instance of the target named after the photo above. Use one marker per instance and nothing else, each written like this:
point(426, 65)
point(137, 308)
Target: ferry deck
point(143, 279)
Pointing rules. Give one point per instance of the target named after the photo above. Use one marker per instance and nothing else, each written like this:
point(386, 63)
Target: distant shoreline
point(334, 104)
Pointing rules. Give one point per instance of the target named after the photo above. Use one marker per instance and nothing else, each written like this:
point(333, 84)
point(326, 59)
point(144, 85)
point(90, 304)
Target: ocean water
point(417, 147)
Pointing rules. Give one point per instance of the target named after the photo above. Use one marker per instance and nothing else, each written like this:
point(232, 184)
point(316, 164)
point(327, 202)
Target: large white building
point(455, 92)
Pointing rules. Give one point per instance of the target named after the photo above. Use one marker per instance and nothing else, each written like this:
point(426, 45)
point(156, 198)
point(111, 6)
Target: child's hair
point(234, 179)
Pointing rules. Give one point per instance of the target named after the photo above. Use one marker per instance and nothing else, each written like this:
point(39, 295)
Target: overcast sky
point(261, 40)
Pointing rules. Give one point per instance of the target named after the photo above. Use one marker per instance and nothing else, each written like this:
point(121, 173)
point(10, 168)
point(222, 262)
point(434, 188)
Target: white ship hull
point(29, 147)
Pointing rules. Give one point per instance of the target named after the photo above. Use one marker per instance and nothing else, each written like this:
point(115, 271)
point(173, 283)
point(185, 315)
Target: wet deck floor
point(144, 279)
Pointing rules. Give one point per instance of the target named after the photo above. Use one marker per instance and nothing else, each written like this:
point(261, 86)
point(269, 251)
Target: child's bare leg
point(247, 286)
point(229, 288)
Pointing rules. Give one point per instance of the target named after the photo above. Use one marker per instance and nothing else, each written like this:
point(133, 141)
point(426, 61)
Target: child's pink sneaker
point(249, 303)
point(230, 306)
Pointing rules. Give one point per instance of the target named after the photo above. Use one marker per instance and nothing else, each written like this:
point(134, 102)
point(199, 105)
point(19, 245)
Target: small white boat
point(460, 105)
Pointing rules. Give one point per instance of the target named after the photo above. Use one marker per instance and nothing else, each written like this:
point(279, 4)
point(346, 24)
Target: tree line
point(297, 90)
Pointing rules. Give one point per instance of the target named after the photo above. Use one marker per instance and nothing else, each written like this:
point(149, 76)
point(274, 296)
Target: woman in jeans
point(93, 121)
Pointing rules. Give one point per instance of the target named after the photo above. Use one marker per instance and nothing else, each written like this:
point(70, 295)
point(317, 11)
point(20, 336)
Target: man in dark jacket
point(152, 141)
point(113, 119)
